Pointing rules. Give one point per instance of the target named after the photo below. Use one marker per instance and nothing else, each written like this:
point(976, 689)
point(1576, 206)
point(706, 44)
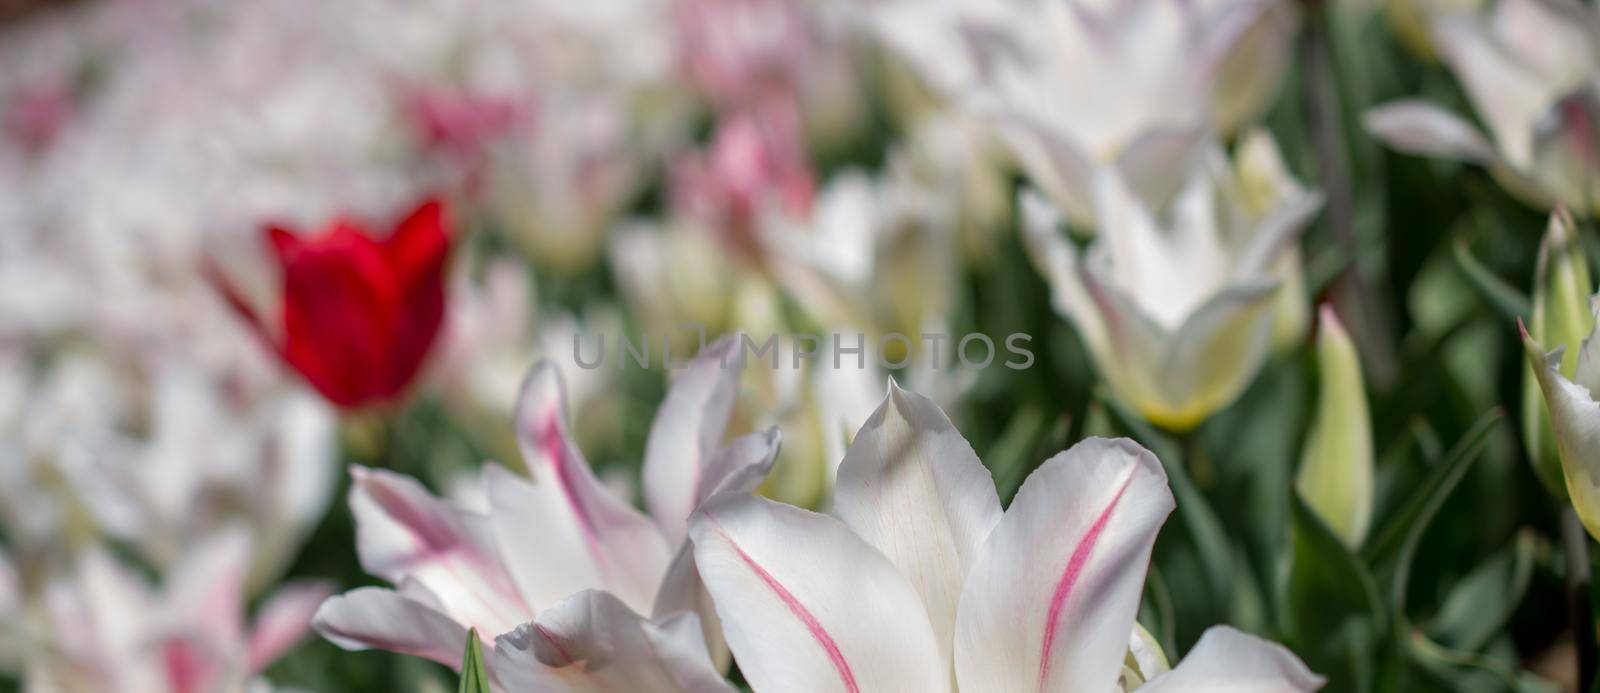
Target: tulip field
point(791, 346)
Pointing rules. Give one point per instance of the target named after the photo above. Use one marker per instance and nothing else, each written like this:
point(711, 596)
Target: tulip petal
point(102, 598)
point(1417, 127)
point(740, 467)
point(1058, 261)
point(206, 588)
point(1156, 162)
point(283, 241)
point(403, 532)
point(1229, 661)
point(283, 620)
point(416, 252)
point(1276, 233)
point(376, 618)
point(1575, 414)
point(1050, 604)
point(1141, 259)
point(591, 641)
point(1217, 352)
point(339, 311)
point(682, 591)
point(1059, 167)
point(687, 431)
point(625, 547)
point(1508, 95)
point(543, 544)
point(809, 607)
point(911, 486)
point(1587, 372)
point(418, 246)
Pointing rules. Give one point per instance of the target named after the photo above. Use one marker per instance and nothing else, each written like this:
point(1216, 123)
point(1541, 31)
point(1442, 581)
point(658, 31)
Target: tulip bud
point(1336, 465)
point(1561, 318)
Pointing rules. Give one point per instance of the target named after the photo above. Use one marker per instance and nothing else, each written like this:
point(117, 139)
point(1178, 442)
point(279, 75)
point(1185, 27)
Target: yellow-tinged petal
point(1336, 465)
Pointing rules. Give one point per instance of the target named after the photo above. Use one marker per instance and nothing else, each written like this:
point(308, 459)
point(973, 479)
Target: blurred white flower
point(922, 581)
point(1072, 86)
point(1530, 69)
point(152, 417)
point(549, 539)
point(102, 627)
point(958, 161)
point(1177, 318)
point(742, 52)
point(496, 329)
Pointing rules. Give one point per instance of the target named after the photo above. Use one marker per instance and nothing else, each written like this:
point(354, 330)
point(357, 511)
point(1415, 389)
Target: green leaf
point(1011, 457)
point(1395, 544)
point(1506, 299)
point(1157, 612)
point(473, 677)
point(1470, 671)
point(1335, 615)
point(1481, 603)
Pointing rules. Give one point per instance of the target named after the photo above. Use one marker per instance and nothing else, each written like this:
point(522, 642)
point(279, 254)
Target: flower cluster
point(796, 345)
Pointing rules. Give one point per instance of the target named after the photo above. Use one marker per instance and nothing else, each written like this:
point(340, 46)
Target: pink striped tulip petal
point(1051, 601)
point(376, 618)
point(912, 488)
point(1229, 661)
point(591, 641)
point(809, 607)
point(626, 548)
point(739, 468)
point(551, 554)
point(405, 533)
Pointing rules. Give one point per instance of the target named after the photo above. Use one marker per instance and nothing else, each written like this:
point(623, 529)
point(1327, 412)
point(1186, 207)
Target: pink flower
point(756, 166)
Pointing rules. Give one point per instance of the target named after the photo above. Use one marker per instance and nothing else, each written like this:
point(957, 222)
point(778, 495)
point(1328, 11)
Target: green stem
point(1575, 544)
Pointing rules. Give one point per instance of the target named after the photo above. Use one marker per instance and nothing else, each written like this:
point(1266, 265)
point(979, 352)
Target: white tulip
point(1529, 69)
point(1176, 318)
point(558, 558)
point(922, 583)
point(1074, 85)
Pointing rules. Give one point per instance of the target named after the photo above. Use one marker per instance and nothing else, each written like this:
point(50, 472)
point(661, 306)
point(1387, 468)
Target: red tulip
point(359, 314)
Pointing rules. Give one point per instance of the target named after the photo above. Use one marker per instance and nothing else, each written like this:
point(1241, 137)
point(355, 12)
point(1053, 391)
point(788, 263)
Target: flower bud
point(1336, 464)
